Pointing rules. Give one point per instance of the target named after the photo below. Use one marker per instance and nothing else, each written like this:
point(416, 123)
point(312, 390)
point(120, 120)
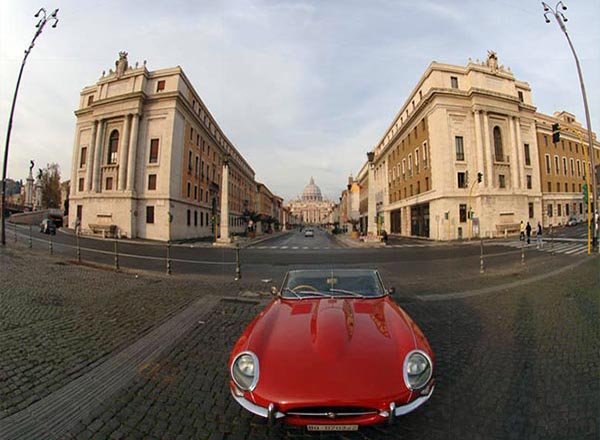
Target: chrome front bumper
point(271, 413)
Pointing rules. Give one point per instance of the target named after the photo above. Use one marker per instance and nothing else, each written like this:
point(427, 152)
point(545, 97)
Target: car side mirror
point(274, 291)
point(391, 290)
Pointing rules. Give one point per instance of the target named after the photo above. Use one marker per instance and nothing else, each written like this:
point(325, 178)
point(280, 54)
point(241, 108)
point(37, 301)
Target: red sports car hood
point(336, 351)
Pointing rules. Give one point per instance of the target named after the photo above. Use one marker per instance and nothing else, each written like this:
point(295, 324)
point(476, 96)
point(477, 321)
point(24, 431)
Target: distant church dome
point(312, 192)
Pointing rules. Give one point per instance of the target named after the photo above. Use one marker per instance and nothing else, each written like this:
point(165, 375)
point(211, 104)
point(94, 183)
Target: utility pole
point(39, 28)
point(560, 18)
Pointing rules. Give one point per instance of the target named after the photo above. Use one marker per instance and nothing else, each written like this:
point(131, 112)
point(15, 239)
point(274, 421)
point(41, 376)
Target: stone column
point(478, 146)
point(519, 153)
point(489, 179)
point(96, 183)
point(132, 153)
point(89, 166)
point(371, 211)
point(224, 238)
point(75, 164)
point(514, 166)
point(123, 154)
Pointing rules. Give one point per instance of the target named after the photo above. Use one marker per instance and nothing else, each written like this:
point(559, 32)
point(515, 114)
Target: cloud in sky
point(302, 88)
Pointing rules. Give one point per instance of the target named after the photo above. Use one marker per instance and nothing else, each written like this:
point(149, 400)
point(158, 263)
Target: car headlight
point(417, 370)
point(244, 370)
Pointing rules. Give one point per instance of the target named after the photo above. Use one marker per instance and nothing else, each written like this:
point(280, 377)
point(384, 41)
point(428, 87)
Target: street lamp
point(560, 18)
point(39, 28)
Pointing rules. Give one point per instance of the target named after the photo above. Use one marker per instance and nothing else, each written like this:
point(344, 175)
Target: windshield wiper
point(306, 292)
point(348, 292)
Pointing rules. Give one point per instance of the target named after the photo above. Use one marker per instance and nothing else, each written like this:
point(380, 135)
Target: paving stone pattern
point(520, 364)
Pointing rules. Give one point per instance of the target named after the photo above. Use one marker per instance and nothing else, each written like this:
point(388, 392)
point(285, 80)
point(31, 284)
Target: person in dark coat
point(528, 231)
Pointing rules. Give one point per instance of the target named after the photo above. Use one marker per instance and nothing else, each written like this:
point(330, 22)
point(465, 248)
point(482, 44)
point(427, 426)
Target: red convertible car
point(332, 352)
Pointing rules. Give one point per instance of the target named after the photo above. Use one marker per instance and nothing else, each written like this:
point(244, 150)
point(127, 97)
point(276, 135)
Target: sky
point(302, 88)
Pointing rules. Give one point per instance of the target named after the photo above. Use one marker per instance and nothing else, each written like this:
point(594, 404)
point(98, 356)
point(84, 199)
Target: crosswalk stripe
point(573, 249)
point(294, 247)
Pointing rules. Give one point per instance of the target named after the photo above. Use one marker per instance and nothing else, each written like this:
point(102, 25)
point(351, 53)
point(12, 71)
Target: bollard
point(30, 240)
point(116, 254)
point(523, 252)
point(481, 267)
point(78, 247)
point(50, 245)
point(169, 263)
point(238, 268)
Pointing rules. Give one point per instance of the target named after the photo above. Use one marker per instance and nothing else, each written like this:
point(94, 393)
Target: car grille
point(331, 413)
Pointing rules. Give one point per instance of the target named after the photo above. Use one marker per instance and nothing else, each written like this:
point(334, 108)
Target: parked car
point(332, 352)
point(572, 221)
point(309, 233)
point(47, 226)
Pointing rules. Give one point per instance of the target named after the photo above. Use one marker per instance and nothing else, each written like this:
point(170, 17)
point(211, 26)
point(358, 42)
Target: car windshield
point(332, 283)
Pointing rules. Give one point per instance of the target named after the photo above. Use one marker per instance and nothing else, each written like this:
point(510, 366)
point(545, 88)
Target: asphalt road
point(296, 240)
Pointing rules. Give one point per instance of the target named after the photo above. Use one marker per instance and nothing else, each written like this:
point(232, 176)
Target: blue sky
point(302, 88)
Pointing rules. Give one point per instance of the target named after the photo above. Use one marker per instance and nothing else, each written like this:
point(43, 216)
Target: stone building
point(311, 207)
point(150, 160)
point(462, 158)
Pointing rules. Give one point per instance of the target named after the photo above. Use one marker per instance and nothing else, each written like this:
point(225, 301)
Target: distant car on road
point(47, 226)
point(309, 233)
point(332, 352)
point(572, 221)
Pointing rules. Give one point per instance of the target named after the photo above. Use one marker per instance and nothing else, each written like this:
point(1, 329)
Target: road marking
point(304, 247)
point(293, 247)
point(283, 247)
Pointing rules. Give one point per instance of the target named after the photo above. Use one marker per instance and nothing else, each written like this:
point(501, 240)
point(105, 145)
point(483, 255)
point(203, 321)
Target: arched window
point(113, 147)
point(498, 144)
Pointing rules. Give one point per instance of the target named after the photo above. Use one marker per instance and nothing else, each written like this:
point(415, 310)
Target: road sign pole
point(523, 252)
point(116, 254)
point(169, 263)
point(238, 268)
point(481, 267)
point(50, 245)
point(78, 247)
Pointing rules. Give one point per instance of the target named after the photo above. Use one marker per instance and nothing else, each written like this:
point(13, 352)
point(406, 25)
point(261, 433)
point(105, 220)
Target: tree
point(51, 186)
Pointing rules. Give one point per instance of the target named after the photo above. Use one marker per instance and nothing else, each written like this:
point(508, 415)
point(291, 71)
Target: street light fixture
point(39, 28)
point(561, 20)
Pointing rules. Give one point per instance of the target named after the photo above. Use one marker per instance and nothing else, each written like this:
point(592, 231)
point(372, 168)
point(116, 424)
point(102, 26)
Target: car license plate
point(332, 427)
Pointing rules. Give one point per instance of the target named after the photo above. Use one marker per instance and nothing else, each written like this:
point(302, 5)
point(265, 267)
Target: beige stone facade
point(150, 160)
point(460, 122)
point(311, 207)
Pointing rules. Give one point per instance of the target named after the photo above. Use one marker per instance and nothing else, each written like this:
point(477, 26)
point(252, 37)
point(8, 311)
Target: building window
point(566, 209)
point(189, 214)
point(578, 168)
point(109, 183)
point(573, 186)
point(462, 213)
point(195, 192)
point(566, 187)
point(189, 189)
point(548, 169)
point(197, 167)
point(549, 186)
point(80, 184)
point(527, 155)
point(460, 149)
point(572, 163)
point(580, 208)
point(550, 209)
point(153, 151)
point(410, 164)
point(149, 214)
point(557, 186)
point(501, 181)
point(160, 85)
point(190, 161)
point(498, 151)
point(520, 93)
point(152, 181)
point(556, 166)
point(559, 208)
point(529, 181)
point(195, 218)
point(425, 155)
point(531, 213)
point(454, 82)
point(462, 179)
point(564, 162)
point(90, 100)
point(545, 140)
point(83, 157)
point(418, 187)
point(201, 219)
point(426, 183)
point(113, 146)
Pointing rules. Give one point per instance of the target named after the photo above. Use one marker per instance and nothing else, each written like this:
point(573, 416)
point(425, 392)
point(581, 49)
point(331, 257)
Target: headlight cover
point(417, 369)
point(244, 370)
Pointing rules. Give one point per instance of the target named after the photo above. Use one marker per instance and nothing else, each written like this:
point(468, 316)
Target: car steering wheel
point(305, 287)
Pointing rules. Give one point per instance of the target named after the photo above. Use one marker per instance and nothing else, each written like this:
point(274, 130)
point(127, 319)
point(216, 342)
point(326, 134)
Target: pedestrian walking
point(538, 236)
point(522, 231)
point(384, 237)
point(528, 230)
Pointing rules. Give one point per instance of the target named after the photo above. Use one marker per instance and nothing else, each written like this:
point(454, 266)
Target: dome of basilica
point(312, 192)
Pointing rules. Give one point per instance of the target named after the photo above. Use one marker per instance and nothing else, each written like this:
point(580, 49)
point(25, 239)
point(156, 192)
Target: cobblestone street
point(514, 364)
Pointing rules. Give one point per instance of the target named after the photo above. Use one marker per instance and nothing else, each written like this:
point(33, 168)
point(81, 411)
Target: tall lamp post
point(39, 28)
point(560, 18)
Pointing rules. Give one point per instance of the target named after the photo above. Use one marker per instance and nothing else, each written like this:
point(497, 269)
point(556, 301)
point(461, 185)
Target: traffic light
point(555, 133)
point(479, 177)
point(585, 193)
